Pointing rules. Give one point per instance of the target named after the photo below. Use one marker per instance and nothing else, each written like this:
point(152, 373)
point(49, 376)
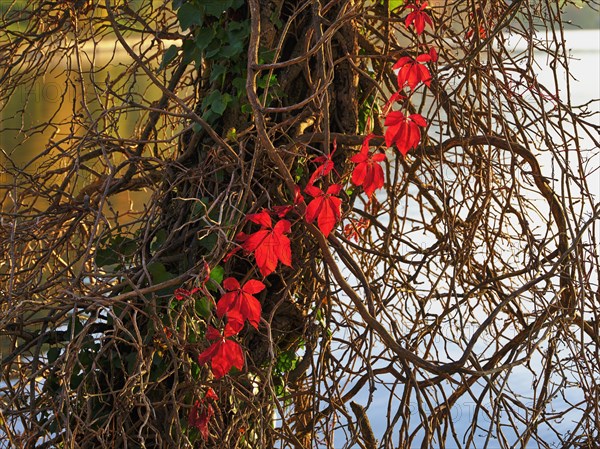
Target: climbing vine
point(272, 223)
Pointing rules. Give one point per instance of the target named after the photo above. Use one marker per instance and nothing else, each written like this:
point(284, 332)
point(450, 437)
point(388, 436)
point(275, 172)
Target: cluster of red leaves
point(325, 166)
point(403, 130)
point(202, 412)
point(270, 245)
point(485, 20)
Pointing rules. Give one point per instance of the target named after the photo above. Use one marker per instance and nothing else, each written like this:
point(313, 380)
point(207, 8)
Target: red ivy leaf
point(418, 17)
point(223, 354)
point(396, 96)
point(403, 131)
point(411, 71)
point(182, 294)
point(353, 229)
point(325, 207)
point(239, 304)
point(200, 416)
point(326, 166)
point(282, 211)
point(368, 172)
point(262, 218)
point(210, 394)
point(270, 244)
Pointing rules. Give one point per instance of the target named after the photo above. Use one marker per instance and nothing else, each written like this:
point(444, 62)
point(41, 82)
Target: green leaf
point(204, 36)
point(210, 98)
point(217, 72)
point(210, 116)
point(394, 4)
point(209, 241)
point(53, 354)
point(217, 274)
point(168, 56)
point(240, 84)
point(230, 51)
point(220, 104)
point(204, 307)
point(188, 15)
point(76, 379)
point(264, 80)
point(106, 256)
point(131, 360)
point(196, 371)
point(213, 48)
point(117, 249)
point(158, 240)
point(190, 51)
point(157, 368)
point(216, 7)
point(159, 273)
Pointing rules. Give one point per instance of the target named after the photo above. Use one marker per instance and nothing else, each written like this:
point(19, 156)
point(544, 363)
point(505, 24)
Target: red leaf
point(270, 245)
point(411, 71)
point(433, 54)
point(396, 96)
point(223, 354)
point(210, 394)
point(298, 198)
point(368, 173)
point(326, 166)
point(325, 207)
point(239, 305)
point(200, 416)
point(418, 17)
point(262, 218)
point(182, 294)
point(282, 211)
point(230, 284)
point(212, 333)
point(403, 131)
point(355, 228)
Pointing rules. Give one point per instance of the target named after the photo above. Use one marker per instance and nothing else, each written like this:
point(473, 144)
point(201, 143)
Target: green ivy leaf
point(159, 238)
point(216, 7)
point(169, 55)
point(217, 274)
point(115, 250)
point(394, 4)
point(190, 52)
point(204, 307)
point(217, 72)
point(188, 15)
point(159, 273)
point(220, 104)
point(204, 37)
point(53, 354)
point(208, 242)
